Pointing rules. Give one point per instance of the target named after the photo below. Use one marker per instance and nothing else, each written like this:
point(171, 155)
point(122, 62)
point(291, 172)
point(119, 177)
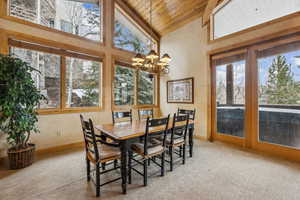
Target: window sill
point(69, 110)
point(124, 107)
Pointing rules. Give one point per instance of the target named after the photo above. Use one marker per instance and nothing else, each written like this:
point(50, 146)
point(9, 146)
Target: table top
point(127, 130)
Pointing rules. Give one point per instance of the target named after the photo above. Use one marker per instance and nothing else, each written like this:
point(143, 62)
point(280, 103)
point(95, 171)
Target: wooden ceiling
point(168, 15)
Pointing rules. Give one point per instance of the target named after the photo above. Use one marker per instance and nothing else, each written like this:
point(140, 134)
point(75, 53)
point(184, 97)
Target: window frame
point(62, 53)
point(136, 84)
point(6, 15)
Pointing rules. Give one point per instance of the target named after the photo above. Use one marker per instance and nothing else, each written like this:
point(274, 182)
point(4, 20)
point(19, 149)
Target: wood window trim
point(51, 50)
point(12, 35)
point(63, 54)
point(3, 8)
point(135, 105)
point(4, 13)
point(4, 49)
point(210, 30)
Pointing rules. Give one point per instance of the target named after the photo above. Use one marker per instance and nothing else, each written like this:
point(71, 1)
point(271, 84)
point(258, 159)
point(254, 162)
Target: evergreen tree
point(145, 90)
point(91, 91)
point(281, 87)
point(124, 95)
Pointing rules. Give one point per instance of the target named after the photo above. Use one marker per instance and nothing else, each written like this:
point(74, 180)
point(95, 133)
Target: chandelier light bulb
point(152, 55)
point(138, 58)
point(166, 58)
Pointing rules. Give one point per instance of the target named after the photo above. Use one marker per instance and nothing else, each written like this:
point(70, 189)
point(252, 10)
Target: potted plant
point(19, 99)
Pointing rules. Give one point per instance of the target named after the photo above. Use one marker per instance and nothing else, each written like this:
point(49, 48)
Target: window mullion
point(63, 83)
point(136, 87)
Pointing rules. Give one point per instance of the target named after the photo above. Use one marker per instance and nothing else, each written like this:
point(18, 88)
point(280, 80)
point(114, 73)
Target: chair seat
point(176, 141)
point(106, 153)
point(152, 149)
point(178, 132)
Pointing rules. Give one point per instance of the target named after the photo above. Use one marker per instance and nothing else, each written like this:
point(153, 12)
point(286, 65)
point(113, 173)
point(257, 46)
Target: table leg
point(123, 147)
point(191, 142)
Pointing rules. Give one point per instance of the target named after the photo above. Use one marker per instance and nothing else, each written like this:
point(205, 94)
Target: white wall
point(59, 129)
point(187, 48)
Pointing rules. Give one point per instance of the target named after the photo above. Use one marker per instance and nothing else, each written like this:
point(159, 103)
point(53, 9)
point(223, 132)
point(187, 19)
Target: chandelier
point(151, 61)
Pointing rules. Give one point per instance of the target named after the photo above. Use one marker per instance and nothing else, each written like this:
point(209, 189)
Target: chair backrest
point(145, 113)
point(122, 116)
point(191, 113)
point(162, 128)
point(90, 140)
point(179, 127)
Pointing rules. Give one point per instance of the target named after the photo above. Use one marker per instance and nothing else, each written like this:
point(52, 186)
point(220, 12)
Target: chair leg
point(97, 179)
point(163, 164)
point(145, 172)
point(183, 159)
point(88, 169)
point(115, 164)
point(129, 166)
point(171, 158)
point(180, 151)
point(149, 162)
point(191, 142)
point(103, 166)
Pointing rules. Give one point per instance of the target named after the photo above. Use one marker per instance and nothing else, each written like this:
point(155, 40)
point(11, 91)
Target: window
point(82, 83)
point(133, 87)
point(146, 85)
point(47, 78)
point(83, 18)
point(124, 85)
point(279, 95)
point(129, 36)
point(237, 15)
point(230, 95)
point(70, 81)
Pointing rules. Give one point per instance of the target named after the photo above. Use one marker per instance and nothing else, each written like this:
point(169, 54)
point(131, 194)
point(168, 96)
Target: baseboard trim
point(54, 149)
point(202, 138)
point(59, 148)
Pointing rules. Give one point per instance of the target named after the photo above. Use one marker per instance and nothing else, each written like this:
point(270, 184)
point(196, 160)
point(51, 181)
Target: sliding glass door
point(256, 97)
point(279, 95)
point(229, 109)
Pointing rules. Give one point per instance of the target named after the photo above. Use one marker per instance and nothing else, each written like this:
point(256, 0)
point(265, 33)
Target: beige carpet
point(217, 171)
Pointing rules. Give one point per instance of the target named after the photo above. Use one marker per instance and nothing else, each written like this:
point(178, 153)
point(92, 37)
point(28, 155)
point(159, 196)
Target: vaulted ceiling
point(168, 15)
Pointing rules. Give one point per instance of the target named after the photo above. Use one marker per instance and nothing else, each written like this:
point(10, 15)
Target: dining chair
point(121, 116)
point(150, 150)
point(98, 152)
point(177, 138)
point(145, 113)
point(192, 114)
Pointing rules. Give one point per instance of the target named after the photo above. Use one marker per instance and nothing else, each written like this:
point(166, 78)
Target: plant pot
point(21, 158)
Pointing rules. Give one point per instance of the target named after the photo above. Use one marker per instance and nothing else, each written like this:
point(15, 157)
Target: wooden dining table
point(127, 132)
